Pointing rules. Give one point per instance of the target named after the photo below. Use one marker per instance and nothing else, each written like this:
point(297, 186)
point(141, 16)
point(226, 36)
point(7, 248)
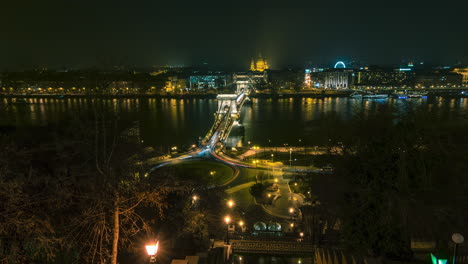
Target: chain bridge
point(227, 115)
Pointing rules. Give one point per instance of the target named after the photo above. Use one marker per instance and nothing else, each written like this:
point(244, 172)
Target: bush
point(257, 190)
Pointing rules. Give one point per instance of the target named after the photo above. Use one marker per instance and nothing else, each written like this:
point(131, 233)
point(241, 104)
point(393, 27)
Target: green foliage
point(61, 196)
point(403, 178)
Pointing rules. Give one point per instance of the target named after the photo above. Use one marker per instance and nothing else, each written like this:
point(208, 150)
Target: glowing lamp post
point(291, 211)
point(290, 157)
point(241, 224)
point(227, 220)
point(230, 203)
point(152, 250)
point(457, 239)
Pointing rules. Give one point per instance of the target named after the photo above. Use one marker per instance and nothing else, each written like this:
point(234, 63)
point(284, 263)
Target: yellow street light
point(227, 219)
point(230, 203)
point(241, 223)
point(269, 195)
point(291, 210)
point(152, 250)
point(195, 198)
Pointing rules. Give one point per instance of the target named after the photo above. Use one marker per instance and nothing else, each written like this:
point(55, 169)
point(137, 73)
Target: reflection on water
point(167, 122)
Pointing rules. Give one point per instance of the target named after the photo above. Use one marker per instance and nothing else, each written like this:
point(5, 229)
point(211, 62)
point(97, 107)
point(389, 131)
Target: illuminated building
point(383, 77)
point(261, 64)
point(464, 73)
point(337, 79)
point(209, 81)
point(174, 84)
point(434, 79)
point(307, 80)
point(248, 80)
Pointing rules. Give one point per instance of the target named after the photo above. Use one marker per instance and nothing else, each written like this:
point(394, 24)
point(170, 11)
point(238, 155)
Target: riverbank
point(111, 96)
point(448, 92)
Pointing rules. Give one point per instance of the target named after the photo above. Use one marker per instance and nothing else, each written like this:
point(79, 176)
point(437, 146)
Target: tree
point(77, 196)
point(115, 185)
point(257, 190)
point(401, 171)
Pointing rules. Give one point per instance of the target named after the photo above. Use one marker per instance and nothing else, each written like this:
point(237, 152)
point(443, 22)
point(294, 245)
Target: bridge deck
point(224, 120)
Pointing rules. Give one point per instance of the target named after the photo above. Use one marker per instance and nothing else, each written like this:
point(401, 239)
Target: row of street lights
point(227, 219)
point(272, 155)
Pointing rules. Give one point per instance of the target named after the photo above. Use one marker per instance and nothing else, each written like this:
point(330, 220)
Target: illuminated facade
point(261, 64)
point(209, 81)
point(464, 73)
point(307, 79)
point(383, 78)
point(337, 79)
point(248, 80)
point(174, 84)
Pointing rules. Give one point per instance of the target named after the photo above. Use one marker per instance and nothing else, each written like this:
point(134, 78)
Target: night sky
point(228, 33)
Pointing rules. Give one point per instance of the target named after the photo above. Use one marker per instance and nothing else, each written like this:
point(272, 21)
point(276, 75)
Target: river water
point(178, 122)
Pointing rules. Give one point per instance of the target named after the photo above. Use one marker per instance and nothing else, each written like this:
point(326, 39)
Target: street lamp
point(194, 199)
point(227, 220)
point(272, 155)
point(290, 157)
point(457, 238)
point(152, 250)
point(230, 203)
point(291, 211)
point(255, 162)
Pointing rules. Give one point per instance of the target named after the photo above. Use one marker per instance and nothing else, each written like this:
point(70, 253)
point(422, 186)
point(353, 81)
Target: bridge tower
point(227, 103)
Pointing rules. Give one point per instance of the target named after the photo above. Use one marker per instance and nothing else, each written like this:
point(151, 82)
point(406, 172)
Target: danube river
point(180, 122)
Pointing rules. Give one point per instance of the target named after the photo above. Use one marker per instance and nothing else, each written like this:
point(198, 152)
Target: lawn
point(201, 171)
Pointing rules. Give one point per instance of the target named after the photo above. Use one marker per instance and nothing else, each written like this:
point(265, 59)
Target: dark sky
point(227, 33)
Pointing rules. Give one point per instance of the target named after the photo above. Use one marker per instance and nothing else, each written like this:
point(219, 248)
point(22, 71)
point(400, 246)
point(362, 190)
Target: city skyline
point(85, 33)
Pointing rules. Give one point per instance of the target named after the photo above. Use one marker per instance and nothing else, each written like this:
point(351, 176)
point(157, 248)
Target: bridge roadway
point(225, 116)
point(228, 112)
